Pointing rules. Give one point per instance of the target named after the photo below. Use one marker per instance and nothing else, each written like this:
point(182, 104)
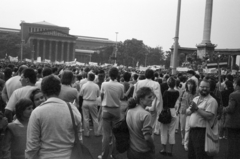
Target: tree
point(10, 44)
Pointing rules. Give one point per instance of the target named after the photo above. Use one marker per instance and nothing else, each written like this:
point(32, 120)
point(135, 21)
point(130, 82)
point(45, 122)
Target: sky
point(153, 21)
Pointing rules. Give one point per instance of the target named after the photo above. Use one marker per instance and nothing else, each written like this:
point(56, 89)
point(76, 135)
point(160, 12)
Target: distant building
point(54, 43)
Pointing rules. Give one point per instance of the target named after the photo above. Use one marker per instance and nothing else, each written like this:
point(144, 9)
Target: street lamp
point(22, 41)
point(116, 50)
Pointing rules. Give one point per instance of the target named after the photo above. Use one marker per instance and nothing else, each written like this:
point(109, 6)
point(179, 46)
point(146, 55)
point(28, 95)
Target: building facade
point(51, 42)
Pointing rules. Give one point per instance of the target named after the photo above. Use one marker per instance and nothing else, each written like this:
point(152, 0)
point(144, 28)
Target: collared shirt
point(155, 86)
point(90, 91)
point(208, 104)
point(83, 81)
point(113, 91)
point(50, 131)
point(18, 94)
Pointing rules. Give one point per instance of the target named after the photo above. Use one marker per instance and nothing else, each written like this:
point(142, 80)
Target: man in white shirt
point(12, 84)
point(203, 110)
point(28, 80)
point(89, 93)
point(111, 92)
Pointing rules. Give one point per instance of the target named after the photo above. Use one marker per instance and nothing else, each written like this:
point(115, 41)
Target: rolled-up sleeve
point(147, 128)
point(33, 137)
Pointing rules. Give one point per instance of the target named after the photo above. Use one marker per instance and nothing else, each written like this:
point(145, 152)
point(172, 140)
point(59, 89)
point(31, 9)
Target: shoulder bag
point(165, 116)
point(79, 151)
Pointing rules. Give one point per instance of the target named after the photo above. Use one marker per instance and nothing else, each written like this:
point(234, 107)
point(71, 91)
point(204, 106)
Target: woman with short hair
point(15, 139)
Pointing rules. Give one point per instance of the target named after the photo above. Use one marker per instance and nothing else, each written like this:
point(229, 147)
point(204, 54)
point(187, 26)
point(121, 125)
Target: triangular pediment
point(54, 33)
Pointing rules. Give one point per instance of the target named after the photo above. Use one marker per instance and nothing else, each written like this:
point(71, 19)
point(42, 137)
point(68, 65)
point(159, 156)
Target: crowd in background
point(35, 121)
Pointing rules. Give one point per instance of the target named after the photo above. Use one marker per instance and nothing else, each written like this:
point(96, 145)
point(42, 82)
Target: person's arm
point(10, 106)
point(149, 140)
point(231, 106)
point(4, 94)
point(33, 144)
point(147, 132)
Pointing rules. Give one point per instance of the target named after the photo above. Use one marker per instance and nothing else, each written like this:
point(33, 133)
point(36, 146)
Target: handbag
point(165, 116)
point(212, 139)
point(79, 151)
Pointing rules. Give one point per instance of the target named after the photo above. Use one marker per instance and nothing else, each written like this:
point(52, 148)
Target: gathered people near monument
point(16, 133)
point(168, 130)
point(139, 124)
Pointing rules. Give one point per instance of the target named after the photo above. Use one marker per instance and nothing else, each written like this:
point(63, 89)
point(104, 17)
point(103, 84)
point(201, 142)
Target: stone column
point(32, 49)
point(38, 46)
point(207, 22)
point(62, 51)
point(68, 51)
point(56, 51)
point(50, 50)
point(44, 49)
point(229, 61)
point(73, 52)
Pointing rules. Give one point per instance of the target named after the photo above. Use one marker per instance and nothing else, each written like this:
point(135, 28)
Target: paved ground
point(94, 145)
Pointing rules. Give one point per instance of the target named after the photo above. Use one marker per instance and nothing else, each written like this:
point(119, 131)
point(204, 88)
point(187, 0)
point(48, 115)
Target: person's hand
point(194, 107)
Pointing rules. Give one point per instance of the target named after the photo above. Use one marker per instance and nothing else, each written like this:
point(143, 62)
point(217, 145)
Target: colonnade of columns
point(53, 50)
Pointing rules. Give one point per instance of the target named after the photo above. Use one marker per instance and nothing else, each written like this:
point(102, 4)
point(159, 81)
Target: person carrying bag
point(79, 151)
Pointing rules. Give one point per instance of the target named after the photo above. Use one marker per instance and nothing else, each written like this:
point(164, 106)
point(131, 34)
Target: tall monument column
point(174, 56)
point(206, 47)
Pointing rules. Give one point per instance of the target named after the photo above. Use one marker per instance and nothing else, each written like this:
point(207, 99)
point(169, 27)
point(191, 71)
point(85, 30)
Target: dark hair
point(229, 85)
point(21, 105)
point(46, 72)
point(36, 91)
point(194, 86)
point(149, 74)
point(191, 72)
point(230, 77)
point(91, 76)
point(51, 85)
point(177, 83)
point(212, 85)
point(67, 77)
point(21, 69)
point(113, 73)
point(54, 70)
point(127, 76)
point(7, 73)
point(171, 82)
point(30, 74)
point(141, 77)
point(79, 77)
point(141, 93)
point(135, 76)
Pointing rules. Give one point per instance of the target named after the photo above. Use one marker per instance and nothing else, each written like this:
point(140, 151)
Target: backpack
point(122, 136)
point(165, 116)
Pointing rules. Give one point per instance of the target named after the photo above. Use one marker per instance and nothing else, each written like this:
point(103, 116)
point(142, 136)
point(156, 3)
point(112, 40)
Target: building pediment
point(55, 33)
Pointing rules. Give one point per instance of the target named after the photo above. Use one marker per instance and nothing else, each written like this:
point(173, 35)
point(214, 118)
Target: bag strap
point(73, 122)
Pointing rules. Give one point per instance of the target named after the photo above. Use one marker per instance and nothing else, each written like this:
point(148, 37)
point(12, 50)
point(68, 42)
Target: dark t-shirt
point(170, 98)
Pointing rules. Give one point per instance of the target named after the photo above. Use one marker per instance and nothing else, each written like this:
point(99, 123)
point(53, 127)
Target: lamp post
point(22, 41)
point(116, 50)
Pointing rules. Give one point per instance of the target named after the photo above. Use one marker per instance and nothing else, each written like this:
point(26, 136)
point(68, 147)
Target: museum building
point(54, 43)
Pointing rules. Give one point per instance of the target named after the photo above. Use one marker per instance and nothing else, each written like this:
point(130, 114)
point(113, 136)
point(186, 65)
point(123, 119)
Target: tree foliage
point(10, 44)
point(130, 53)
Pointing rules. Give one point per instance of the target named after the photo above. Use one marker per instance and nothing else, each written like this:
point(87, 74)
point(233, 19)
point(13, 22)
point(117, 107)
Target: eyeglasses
point(204, 87)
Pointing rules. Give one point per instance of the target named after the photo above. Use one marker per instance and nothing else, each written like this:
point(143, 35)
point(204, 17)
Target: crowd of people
point(35, 120)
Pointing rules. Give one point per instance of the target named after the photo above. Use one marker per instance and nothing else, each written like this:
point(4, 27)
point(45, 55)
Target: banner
point(13, 59)
point(47, 61)
point(28, 60)
point(80, 63)
point(39, 59)
point(93, 64)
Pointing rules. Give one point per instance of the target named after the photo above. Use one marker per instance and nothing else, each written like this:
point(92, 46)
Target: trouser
point(186, 136)
point(168, 129)
point(109, 117)
point(196, 144)
point(233, 143)
point(90, 107)
point(132, 154)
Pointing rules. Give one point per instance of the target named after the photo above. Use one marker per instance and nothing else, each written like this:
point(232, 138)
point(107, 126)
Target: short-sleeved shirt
point(68, 93)
point(18, 94)
point(13, 84)
point(113, 93)
point(139, 124)
point(209, 104)
point(90, 91)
